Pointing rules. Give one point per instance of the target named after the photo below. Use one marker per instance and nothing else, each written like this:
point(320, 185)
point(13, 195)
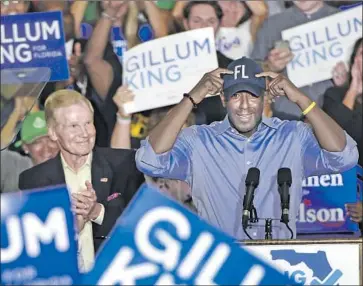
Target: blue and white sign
point(322, 208)
point(315, 264)
point(38, 238)
point(161, 70)
point(156, 241)
point(320, 44)
point(34, 40)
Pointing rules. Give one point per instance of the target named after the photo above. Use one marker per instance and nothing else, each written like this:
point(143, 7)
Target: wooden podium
point(314, 262)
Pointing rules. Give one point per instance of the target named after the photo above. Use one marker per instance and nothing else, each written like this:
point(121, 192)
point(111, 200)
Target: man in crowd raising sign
point(214, 159)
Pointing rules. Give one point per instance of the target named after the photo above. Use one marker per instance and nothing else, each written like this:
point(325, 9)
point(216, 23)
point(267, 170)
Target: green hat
point(34, 127)
point(165, 4)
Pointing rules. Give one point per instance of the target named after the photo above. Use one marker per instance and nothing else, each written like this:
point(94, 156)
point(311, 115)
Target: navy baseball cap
point(243, 78)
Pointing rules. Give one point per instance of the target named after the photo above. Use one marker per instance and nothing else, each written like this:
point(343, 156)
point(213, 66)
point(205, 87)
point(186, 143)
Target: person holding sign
point(101, 180)
point(276, 54)
point(214, 159)
point(202, 14)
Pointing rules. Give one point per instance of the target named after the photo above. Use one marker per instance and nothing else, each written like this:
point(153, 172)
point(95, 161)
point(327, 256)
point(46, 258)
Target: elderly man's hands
point(85, 205)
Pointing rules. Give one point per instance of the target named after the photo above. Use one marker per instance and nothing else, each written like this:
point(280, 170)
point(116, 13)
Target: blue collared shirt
point(214, 160)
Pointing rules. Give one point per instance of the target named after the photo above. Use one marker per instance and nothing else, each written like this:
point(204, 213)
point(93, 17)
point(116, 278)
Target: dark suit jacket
point(118, 166)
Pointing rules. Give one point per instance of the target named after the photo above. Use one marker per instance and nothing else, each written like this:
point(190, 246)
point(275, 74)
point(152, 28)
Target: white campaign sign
point(314, 264)
point(320, 44)
point(161, 70)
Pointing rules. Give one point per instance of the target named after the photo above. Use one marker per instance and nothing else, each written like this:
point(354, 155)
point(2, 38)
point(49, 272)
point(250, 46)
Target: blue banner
point(322, 208)
point(157, 241)
point(34, 40)
point(38, 238)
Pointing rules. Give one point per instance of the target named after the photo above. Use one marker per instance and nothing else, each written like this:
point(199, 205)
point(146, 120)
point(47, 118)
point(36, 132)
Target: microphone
point(252, 181)
point(284, 181)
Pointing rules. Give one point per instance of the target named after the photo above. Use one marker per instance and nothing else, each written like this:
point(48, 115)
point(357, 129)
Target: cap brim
point(252, 88)
point(20, 142)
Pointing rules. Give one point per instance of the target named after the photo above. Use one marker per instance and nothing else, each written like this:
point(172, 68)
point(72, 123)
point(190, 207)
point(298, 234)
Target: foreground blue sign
point(322, 208)
point(34, 40)
point(38, 238)
point(156, 241)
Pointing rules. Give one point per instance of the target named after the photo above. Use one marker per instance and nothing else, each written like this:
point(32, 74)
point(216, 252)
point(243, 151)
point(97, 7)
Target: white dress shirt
point(76, 182)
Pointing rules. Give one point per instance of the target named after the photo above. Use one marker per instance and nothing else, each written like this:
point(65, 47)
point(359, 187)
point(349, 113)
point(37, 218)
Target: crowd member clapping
point(101, 180)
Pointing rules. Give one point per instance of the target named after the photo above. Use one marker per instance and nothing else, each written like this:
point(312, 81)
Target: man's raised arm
point(163, 136)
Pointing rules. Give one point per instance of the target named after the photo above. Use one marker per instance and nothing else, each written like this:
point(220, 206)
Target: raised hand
point(280, 86)
point(340, 74)
point(211, 83)
point(278, 59)
point(116, 9)
point(122, 96)
point(75, 64)
point(355, 211)
point(356, 73)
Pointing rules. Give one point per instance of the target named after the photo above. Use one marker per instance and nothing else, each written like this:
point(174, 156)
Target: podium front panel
point(315, 263)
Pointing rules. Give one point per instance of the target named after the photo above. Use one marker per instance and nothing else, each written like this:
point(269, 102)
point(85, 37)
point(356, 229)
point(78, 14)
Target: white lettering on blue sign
point(15, 47)
point(323, 215)
point(334, 180)
point(167, 258)
point(36, 232)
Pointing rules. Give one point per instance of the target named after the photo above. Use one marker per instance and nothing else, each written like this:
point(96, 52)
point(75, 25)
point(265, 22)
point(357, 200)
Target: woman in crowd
point(344, 104)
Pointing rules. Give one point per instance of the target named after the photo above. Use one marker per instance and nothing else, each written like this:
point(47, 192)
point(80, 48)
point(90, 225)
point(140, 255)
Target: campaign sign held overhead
point(159, 71)
point(322, 208)
point(38, 238)
point(34, 40)
point(157, 241)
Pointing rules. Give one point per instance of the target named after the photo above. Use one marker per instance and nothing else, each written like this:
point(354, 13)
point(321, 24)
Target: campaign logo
point(308, 268)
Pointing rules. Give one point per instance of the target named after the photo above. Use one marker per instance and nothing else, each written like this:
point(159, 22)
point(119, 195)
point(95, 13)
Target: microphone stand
point(253, 219)
point(253, 215)
point(268, 229)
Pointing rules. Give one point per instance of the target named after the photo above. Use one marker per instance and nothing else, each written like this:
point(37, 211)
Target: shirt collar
point(87, 163)
point(318, 14)
point(224, 125)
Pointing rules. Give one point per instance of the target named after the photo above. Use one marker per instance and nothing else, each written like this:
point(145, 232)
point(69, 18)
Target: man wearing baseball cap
point(214, 159)
point(35, 140)
point(35, 143)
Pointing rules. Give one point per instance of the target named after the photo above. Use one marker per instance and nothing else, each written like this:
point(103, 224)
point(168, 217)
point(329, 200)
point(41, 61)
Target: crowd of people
point(198, 151)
